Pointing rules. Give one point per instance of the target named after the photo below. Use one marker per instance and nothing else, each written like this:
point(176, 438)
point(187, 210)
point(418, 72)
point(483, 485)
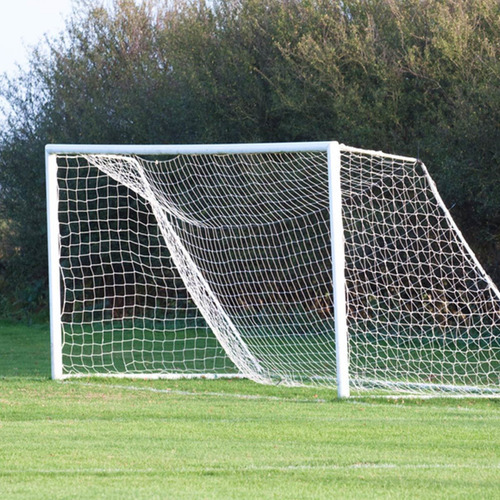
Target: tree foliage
point(415, 77)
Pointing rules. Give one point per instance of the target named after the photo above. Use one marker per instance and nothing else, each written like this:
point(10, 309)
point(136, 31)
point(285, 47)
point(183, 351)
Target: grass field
point(95, 438)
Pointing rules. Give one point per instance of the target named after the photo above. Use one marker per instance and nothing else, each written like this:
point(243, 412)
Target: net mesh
point(422, 312)
point(222, 265)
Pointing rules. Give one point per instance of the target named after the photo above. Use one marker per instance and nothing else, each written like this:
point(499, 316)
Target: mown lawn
point(95, 438)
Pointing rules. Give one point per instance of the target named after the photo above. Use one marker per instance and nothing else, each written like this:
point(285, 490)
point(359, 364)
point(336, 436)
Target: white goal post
point(293, 263)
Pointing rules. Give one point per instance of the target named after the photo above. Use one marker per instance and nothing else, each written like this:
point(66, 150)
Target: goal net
point(215, 261)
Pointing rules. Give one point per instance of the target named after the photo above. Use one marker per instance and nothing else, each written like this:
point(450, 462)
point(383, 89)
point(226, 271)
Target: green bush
point(380, 74)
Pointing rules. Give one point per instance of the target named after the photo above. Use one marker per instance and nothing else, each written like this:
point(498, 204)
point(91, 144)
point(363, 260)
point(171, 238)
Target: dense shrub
point(407, 76)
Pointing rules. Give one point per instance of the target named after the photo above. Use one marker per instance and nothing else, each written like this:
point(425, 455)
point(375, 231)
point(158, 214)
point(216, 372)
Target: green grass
point(95, 438)
point(124, 345)
point(188, 346)
point(24, 351)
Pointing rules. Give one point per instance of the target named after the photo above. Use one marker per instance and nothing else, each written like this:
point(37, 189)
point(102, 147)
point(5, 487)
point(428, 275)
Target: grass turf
point(188, 346)
point(97, 438)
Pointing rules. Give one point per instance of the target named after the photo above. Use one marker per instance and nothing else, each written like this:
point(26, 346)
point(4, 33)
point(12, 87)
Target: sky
point(23, 24)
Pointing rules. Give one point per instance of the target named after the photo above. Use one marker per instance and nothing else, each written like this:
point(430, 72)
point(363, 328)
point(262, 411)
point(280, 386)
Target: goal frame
point(333, 152)
point(332, 149)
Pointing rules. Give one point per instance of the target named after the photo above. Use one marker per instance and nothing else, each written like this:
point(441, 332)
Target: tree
point(416, 77)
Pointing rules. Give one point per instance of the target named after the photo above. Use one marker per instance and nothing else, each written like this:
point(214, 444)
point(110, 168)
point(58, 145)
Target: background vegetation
point(414, 77)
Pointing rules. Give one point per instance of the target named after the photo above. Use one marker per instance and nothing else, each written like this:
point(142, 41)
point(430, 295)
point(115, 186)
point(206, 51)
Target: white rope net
point(221, 265)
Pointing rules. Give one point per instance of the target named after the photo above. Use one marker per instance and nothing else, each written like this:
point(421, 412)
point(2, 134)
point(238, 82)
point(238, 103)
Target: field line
point(192, 393)
point(256, 468)
point(400, 403)
point(355, 400)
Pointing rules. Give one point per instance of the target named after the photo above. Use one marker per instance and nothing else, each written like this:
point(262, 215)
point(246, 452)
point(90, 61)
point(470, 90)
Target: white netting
point(221, 264)
point(422, 312)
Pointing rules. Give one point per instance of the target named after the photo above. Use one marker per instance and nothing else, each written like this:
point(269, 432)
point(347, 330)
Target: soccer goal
point(295, 264)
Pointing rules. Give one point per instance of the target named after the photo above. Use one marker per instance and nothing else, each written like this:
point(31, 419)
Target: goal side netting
point(183, 264)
